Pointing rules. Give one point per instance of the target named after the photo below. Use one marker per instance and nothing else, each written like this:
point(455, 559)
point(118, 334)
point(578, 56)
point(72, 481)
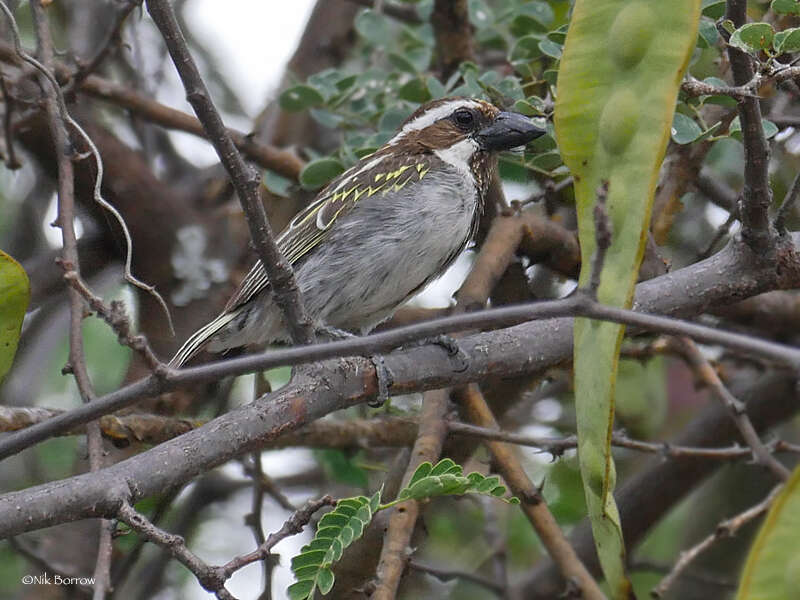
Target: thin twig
point(254, 521)
point(757, 195)
point(66, 221)
point(735, 407)
point(211, 578)
point(695, 87)
point(726, 528)
point(448, 574)
point(720, 233)
point(84, 70)
point(292, 526)
point(12, 162)
point(245, 180)
point(117, 318)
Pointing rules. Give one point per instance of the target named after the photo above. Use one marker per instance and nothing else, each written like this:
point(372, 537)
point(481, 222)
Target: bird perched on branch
point(382, 230)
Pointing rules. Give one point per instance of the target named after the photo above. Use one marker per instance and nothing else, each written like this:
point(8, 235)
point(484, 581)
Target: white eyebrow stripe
point(433, 115)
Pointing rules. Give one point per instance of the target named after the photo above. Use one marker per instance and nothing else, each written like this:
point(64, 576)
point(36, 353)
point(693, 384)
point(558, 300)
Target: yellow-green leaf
point(620, 72)
point(772, 570)
point(15, 293)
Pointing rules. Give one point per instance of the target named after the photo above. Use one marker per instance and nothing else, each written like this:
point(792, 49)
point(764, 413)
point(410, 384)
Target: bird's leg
point(382, 373)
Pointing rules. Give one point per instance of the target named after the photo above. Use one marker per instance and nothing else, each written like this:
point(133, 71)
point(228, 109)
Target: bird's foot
point(333, 333)
point(451, 346)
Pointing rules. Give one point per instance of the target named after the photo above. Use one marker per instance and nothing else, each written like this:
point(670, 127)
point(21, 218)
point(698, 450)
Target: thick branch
point(732, 274)
point(523, 349)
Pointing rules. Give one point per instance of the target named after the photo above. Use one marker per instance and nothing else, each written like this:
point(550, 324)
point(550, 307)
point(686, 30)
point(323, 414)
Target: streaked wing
point(372, 174)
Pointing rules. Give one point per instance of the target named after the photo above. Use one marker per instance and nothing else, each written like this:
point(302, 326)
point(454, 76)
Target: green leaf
point(300, 97)
point(559, 36)
point(402, 63)
point(325, 580)
point(326, 82)
point(540, 11)
point(421, 471)
point(707, 33)
point(735, 129)
point(435, 87)
point(15, 294)
point(374, 27)
point(786, 7)
point(684, 129)
point(480, 15)
point(522, 25)
point(713, 8)
point(753, 37)
point(319, 172)
point(445, 465)
point(526, 48)
point(326, 118)
point(301, 590)
point(546, 161)
point(415, 90)
point(550, 48)
point(772, 570)
point(529, 108)
point(277, 184)
point(787, 40)
point(393, 117)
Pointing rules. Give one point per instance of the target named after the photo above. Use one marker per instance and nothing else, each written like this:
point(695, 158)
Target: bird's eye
point(464, 118)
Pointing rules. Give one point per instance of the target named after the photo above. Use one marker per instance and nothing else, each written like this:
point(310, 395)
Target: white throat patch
point(458, 155)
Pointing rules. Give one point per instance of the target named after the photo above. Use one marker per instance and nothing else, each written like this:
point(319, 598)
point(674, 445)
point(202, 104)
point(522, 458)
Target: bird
point(381, 231)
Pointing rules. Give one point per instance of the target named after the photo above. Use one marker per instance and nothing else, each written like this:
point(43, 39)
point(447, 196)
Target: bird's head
point(463, 132)
point(444, 123)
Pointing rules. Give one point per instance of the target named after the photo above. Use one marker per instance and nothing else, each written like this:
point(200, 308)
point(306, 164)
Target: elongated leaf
point(772, 570)
point(619, 78)
point(15, 293)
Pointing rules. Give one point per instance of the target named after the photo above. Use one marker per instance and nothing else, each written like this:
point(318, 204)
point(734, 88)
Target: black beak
point(508, 130)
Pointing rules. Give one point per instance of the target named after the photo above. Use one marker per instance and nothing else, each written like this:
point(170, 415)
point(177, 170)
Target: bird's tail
point(200, 338)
